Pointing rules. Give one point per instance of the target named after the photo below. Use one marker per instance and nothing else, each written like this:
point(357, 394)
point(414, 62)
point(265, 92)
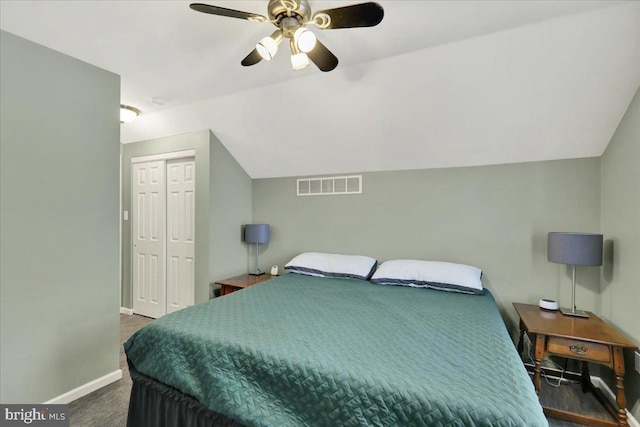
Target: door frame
point(173, 155)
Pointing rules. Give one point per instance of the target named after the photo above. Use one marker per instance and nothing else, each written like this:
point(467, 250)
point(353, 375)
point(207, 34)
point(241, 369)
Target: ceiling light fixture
point(291, 17)
point(305, 40)
point(128, 114)
point(268, 46)
point(299, 60)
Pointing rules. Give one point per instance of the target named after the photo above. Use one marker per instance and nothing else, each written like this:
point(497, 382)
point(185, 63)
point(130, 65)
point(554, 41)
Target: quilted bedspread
point(309, 351)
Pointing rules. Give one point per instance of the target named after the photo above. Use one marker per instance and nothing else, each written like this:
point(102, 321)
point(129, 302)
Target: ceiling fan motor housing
point(289, 26)
point(280, 9)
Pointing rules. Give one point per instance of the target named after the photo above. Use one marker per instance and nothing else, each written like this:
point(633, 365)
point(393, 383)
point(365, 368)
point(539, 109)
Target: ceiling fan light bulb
point(267, 48)
point(305, 39)
point(299, 61)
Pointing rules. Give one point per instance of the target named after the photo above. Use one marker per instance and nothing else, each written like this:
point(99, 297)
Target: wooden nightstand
point(240, 282)
point(588, 340)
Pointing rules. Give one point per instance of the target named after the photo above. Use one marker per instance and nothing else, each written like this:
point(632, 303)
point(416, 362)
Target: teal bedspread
point(308, 351)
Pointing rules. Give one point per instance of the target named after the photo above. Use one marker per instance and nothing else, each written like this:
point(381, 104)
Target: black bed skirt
point(155, 404)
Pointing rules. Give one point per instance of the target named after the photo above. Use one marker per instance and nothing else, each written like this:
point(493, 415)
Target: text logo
point(34, 415)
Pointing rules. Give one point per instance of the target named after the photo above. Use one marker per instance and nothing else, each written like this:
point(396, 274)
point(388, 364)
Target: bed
point(312, 351)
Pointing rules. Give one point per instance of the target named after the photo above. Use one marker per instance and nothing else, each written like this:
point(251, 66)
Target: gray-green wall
point(223, 204)
point(621, 228)
point(59, 284)
point(493, 217)
point(230, 208)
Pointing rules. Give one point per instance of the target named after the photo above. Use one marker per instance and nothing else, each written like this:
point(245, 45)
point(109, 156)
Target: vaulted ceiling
point(436, 84)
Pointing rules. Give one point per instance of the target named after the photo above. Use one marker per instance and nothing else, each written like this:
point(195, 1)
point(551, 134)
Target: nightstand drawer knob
point(577, 349)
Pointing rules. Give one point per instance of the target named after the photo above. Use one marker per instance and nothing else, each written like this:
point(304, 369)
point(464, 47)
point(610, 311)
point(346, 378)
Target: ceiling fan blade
point(252, 59)
point(367, 14)
point(223, 11)
point(322, 57)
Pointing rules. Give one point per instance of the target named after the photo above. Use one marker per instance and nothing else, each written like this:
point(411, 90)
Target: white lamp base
point(576, 313)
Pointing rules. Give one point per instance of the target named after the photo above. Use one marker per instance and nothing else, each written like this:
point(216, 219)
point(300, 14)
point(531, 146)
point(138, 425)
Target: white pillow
point(332, 265)
point(445, 276)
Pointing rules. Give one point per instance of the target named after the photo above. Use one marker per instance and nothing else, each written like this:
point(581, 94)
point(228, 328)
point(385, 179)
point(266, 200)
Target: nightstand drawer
point(579, 349)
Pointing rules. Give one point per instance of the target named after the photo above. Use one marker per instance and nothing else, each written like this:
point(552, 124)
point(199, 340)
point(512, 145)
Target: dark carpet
point(109, 405)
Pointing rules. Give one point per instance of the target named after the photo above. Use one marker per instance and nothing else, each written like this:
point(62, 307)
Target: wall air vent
point(351, 184)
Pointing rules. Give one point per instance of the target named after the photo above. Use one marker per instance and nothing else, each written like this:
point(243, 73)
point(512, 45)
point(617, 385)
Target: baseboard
point(125, 310)
point(599, 383)
point(85, 389)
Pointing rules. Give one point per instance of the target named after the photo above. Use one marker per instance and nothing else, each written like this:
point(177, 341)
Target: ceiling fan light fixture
point(268, 46)
point(299, 61)
point(292, 17)
point(305, 40)
point(128, 113)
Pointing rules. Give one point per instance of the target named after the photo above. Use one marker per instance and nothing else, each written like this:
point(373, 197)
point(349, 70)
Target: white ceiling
point(436, 84)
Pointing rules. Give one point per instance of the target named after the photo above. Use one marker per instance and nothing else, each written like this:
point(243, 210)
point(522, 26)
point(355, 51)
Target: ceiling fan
point(291, 17)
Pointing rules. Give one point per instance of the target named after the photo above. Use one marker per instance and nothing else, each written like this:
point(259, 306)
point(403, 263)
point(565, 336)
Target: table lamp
point(256, 233)
point(574, 249)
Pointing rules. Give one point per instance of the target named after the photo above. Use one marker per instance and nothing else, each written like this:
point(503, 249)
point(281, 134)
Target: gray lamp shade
point(256, 233)
point(575, 248)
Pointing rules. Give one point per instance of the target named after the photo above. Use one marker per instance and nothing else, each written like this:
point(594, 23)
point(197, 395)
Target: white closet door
point(180, 233)
point(149, 238)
